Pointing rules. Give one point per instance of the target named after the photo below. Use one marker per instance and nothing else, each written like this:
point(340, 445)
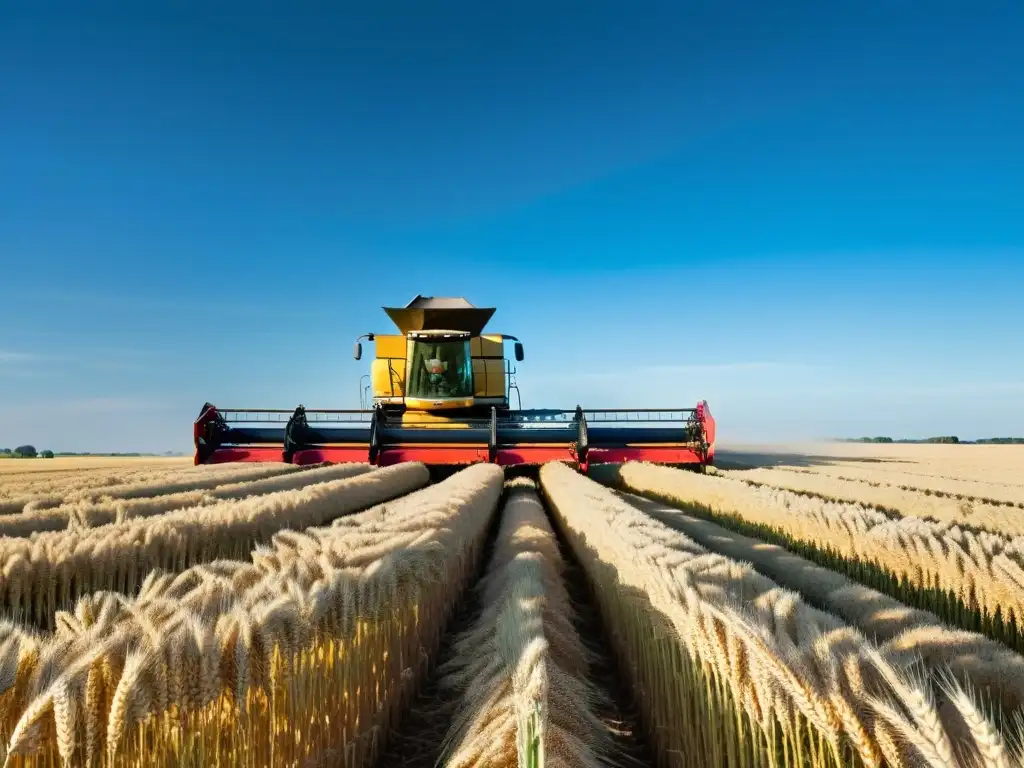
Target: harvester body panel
point(441, 394)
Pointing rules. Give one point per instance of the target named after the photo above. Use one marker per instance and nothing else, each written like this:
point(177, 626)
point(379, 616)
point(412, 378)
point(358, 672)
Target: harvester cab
point(441, 394)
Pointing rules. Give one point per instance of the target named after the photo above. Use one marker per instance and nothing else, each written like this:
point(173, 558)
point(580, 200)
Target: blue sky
point(809, 214)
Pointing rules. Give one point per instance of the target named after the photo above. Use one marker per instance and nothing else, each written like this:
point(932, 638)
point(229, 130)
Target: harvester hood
point(429, 313)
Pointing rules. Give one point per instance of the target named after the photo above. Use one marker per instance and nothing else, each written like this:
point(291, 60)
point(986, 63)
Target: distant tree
point(46, 455)
point(26, 451)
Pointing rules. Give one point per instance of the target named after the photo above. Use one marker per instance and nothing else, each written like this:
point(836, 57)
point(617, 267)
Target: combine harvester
point(441, 395)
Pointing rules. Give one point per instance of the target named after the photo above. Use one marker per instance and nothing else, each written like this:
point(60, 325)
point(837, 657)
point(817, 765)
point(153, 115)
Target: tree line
point(25, 452)
point(30, 452)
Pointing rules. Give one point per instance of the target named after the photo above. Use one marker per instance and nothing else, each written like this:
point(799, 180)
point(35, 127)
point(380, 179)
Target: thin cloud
point(965, 389)
point(92, 358)
point(113, 404)
point(224, 307)
point(63, 408)
point(7, 356)
point(632, 373)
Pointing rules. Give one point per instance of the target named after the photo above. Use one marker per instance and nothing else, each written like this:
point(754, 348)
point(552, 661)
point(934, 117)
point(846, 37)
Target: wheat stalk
point(520, 670)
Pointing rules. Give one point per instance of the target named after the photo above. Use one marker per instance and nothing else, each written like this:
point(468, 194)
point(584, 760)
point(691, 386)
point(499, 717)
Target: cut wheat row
point(733, 670)
point(48, 573)
point(65, 484)
point(47, 473)
point(521, 669)
point(973, 580)
point(12, 486)
point(958, 488)
point(287, 661)
point(1000, 519)
point(996, 672)
point(176, 481)
point(91, 514)
point(67, 479)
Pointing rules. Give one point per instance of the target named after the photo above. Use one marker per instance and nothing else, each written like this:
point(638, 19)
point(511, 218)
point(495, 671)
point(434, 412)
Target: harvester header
point(440, 392)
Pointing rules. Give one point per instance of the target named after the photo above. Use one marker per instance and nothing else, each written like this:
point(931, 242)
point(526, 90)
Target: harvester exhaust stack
point(441, 390)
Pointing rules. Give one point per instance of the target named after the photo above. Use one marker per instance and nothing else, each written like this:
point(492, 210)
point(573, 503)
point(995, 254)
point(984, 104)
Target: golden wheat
point(970, 579)
point(44, 479)
point(72, 480)
point(14, 485)
point(997, 672)
point(732, 669)
point(90, 514)
point(521, 669)
point(978, 463)
point(990, 492)
point(997, 518)
point(49, 572)
point(309, 673)
point(289, 620)
point(176, 481)
point(67, 465)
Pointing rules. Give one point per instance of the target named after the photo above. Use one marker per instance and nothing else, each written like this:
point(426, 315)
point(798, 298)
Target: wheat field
point(850, 605)
point(74, 465)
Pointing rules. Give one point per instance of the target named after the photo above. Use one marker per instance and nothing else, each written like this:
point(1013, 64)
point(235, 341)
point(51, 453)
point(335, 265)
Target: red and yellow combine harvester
point(441, 394)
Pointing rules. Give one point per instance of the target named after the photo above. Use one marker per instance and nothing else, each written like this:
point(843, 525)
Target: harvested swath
point(521, 668)
point(49, 573)
point(996, 518)
point(306, 555)
point(94, 477)
point(953, 487)
point(996, 672)
point(309, 671)
point(730, 668)
point(92, 514)
point(973, 580)
point(69, 481)
point(72, 481)
point(177, 482)
point(88, 463)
